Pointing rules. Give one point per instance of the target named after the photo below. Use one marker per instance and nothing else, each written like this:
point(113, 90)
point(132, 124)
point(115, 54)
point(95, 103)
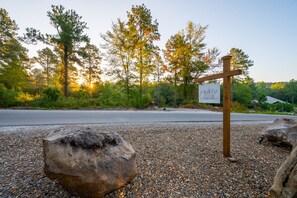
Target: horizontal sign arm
point(220, 75)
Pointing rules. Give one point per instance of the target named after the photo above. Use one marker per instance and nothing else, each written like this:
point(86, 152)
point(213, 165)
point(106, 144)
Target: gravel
point(174, 160)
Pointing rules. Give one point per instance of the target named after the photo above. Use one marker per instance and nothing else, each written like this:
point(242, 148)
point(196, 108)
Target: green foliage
point(281, 107)
point(51, 94)
point(238, 107)
point(131, 53)
point(145, 33)
point(82, 93)
point(242, 94)
point(24, 97)
point(186, 57)
point(13, 56)
point(48, 60)
point(112, 96)
point(295, 110)
point(120, 53)
point(276, 107)
point(166, 93)
point(91, 59)
point(71, 103)
point(139, 101)
point(290, 90)
point(7, 96)
point(69, 36)
point(240, 60)
point(14, 76)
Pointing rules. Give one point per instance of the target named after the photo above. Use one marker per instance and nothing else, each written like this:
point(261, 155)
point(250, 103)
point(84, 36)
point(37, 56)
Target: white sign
point(209, 93)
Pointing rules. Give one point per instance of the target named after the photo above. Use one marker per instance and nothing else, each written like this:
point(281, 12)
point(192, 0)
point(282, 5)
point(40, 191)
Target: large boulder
point(285, 180)
point(282, 132)
point(89, 164)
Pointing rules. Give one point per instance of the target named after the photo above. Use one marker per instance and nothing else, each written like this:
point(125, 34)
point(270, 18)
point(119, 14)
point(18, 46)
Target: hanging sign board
point(209, 93)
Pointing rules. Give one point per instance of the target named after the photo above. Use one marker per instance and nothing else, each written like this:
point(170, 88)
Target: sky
point(266, 30)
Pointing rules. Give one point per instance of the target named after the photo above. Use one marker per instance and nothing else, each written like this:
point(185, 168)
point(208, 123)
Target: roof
point(272, 100)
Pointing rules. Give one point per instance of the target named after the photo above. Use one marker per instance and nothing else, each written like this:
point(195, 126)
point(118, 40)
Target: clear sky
point(264, 29)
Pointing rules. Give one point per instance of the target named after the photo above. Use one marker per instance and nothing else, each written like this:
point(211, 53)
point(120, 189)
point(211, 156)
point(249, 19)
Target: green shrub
point(51, 94)
point(112, 96)
point(278, 107)
point(82, 93)
point(237, 107)
point(24, 99)
point(282, 107)
point(7, 96)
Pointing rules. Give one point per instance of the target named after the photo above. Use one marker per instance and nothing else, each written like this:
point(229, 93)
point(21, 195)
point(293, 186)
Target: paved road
point(68, 117)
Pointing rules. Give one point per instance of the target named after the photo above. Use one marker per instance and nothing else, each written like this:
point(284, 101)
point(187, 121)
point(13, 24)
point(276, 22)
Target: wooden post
point(226, 107)
point(226, 75)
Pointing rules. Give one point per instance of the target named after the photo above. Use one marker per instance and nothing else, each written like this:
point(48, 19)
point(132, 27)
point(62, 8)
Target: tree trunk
point(127, 86)
point(65, 71)
point(140, 77)
point(47, 71)
point(185, 93)
point(159, 94)
point(175, 89)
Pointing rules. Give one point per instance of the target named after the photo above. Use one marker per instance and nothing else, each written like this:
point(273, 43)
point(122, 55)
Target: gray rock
point(89, 164)
point(282, 132)
point(285, 180)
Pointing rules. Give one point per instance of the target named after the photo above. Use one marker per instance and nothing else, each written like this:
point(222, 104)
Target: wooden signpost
point(226, 75)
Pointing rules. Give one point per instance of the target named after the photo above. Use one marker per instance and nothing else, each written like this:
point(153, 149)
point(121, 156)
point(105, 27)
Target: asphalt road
point(69, 117)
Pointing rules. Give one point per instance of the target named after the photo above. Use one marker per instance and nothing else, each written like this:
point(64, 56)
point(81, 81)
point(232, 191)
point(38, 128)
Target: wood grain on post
point(226, 106)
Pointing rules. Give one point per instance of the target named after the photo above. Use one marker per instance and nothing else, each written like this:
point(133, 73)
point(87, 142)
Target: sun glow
point(80, 81)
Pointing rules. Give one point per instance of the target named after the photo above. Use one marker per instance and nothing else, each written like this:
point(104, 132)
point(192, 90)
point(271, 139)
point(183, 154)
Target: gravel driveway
point(174, 160)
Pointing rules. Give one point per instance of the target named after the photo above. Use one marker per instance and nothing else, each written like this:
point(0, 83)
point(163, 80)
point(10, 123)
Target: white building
point(272, 100)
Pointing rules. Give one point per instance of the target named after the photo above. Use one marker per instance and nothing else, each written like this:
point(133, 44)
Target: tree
point(120, 53)
point(160, 69)
point(290, 91)
point(174, 53)
point(69, 36)
point(279, 85)
point(260, 92)
point(13, 56)
point(145, 32)
point(240, 60)
point(243, 93)
point(186, 58)
point(48, 60)
point(90, 63)
point(38, 77)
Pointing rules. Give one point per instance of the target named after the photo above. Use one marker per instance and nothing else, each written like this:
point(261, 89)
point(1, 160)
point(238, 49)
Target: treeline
point(253, 95)
point(69, 72)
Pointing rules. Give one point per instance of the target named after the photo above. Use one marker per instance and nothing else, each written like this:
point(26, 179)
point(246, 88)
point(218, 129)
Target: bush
point(237, 107)
point(7, 96)
point(279, 107)
point(51, 94)
point(191, 104)
point(82, 93)
point(24, 99)
point(69, 102)
point(282, 107)
point(112, 96)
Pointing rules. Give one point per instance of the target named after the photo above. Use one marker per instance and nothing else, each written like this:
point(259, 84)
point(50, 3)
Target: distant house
point(272, 100)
